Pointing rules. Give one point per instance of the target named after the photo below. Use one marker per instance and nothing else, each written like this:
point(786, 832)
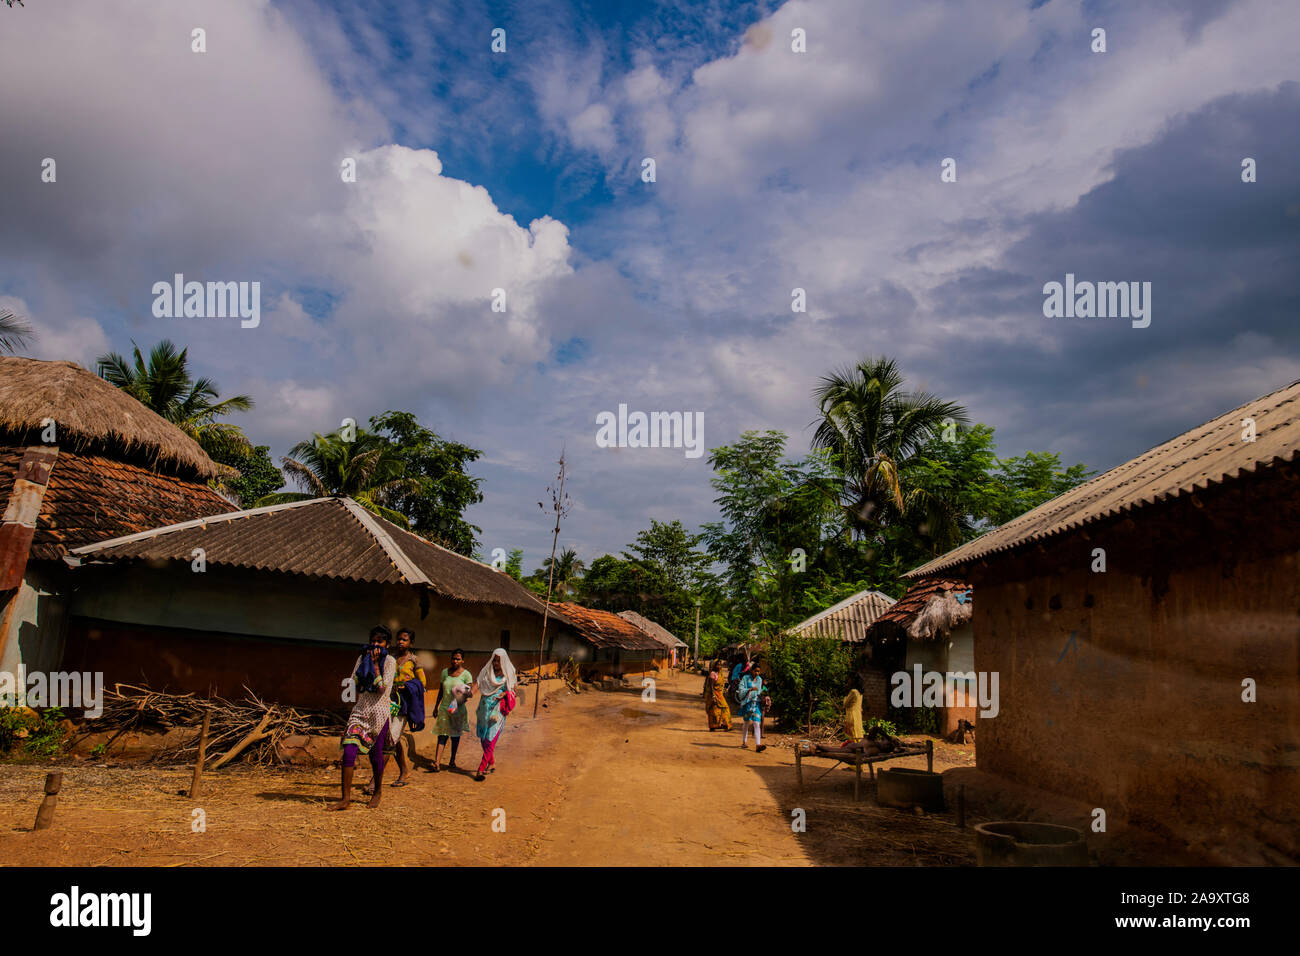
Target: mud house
point(80, 461)
point(280, 599)
point(617, 645)
point(1146, 627)
point(929, 628)
point(850, 620)
point(674, 648)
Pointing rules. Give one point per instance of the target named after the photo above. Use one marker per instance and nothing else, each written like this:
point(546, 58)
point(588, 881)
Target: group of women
point(750, 695)
point(381, 713)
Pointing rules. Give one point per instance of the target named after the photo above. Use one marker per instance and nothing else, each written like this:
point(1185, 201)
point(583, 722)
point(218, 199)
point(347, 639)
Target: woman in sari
point(853, 716)
point(715, 699)
point(496, 688)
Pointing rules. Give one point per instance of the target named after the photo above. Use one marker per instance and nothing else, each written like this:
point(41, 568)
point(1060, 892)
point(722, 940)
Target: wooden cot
point(805, 749)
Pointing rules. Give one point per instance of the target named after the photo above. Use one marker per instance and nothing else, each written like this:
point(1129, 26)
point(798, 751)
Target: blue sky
point(775, 170)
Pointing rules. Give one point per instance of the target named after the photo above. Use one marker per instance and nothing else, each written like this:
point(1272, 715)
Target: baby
point(459, 694)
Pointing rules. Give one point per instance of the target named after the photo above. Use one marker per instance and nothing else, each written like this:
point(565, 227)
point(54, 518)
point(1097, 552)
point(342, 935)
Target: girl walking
point(367, 727)
point(752, 694)
point(455, 689)
point(496, 687)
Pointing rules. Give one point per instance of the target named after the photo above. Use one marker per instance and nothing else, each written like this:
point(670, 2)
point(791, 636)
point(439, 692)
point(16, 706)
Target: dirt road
point(596, 779)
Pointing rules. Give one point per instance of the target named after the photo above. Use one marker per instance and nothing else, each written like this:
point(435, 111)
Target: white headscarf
point(487, 678)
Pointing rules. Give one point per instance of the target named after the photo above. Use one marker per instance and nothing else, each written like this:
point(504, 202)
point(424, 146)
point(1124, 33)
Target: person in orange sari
point(715, 699)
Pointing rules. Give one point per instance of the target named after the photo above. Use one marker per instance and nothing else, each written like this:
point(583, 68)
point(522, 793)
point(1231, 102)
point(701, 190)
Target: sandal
point(398, 783)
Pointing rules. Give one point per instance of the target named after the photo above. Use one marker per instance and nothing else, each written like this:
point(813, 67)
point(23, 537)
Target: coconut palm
point(568, 568)
point(164, 384)
point(871, 426)
point(364, 469)
point(14, 332)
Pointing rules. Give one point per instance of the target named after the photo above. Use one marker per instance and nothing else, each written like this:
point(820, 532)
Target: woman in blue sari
point(496, 686)
point(751, 694)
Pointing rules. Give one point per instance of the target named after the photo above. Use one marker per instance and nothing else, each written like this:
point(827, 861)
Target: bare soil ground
point(601, 778)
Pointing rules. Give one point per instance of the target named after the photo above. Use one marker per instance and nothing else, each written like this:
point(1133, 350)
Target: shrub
point(35, 734)
point(808, 677)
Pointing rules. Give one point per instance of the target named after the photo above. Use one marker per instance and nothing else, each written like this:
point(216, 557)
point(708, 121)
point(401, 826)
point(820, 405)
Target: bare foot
point(374, 802)
point(341, 805)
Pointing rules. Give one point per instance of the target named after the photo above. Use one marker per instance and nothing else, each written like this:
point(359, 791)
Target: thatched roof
point(321, 537)
point(657, 631)
point(91, 414)
point(848, 620)
point(929, 610)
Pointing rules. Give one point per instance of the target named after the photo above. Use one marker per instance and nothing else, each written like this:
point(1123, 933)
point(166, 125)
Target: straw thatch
point(930, 610)
point(89, 413)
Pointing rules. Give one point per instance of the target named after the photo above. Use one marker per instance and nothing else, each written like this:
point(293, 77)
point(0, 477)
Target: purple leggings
point(350, 752)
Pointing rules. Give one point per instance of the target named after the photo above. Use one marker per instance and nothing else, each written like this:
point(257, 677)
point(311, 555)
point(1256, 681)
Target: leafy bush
point(885, 726)
point(808, 678)
point(35, 734)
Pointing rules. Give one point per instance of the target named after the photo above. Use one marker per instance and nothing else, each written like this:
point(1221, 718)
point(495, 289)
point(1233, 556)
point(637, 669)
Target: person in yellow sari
point(853, 715)
point(715, 699)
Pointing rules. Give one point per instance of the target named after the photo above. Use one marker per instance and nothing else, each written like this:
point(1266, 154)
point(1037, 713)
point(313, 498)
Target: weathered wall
point(955, 654)
point(1126, 686)
point(36, 621)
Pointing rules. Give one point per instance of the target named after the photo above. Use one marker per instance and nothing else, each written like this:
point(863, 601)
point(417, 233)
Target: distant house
point(848, 620)
point(280, 599)
point(930, 627)
point(1144, 626)
point(674, 647)
point(80, 461)
point(617, 645)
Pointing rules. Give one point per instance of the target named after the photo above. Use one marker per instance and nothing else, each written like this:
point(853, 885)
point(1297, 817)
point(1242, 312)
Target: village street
point(596, 779)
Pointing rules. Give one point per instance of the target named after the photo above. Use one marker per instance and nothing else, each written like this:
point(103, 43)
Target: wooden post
point(798, 765)
point(961, 806)
point(857, 779)
point(203, 750)
point(929, 755)
point(45, 815)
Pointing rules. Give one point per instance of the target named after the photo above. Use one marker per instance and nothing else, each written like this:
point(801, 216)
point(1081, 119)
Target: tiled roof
point(1206, 455)
point(91, 498)
point(906, 610)
point(605, 629)
point(849, 619)
point(323, 537)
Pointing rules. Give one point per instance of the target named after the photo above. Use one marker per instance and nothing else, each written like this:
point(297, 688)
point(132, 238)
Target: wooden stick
point(252, 737)
point(45, 815)
point(203, 749)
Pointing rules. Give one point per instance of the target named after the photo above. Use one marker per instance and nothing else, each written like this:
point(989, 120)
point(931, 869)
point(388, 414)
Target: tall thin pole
point(697, 630)
point(557, 498)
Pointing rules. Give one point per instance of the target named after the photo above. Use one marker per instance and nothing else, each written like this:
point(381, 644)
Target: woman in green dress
point(452, 707)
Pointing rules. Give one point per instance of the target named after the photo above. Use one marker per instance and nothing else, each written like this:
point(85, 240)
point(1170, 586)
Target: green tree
point(441, 488)
point(364, 469)
point(1025, 482)
point(871, 426)
point(164, 384)
point(808, 678)
point(515, 563)
point(257, 476)
point(668, 546)
point(14, 332)
point(568, 569)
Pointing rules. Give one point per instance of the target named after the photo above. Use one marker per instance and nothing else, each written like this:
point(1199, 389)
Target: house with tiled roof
point(617, 645)
point(80, 461)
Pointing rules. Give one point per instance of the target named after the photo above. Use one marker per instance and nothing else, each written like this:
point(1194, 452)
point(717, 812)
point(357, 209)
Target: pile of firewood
point(251, 729)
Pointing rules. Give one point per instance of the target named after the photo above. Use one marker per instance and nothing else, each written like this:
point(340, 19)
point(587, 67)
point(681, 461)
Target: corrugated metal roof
point(657, 631)
point(1205, 455)
point(324, 537)
point(606, 629)
point(849, 619)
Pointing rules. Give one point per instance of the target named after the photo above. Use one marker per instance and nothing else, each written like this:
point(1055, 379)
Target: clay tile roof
point(321, 537)
point(849, 619)
point(657, 631)
point(1206, 455)
point(605, 629)
point(931, 608)
point(90, 414)
point(91, 498)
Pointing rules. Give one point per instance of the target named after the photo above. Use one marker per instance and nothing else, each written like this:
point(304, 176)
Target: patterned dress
point(371, 711)
point(750, 695)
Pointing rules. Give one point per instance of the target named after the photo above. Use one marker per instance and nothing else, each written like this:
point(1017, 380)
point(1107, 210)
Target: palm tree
point(164, 384)
point(568, 568)
point(14, 332)
point(364, 469)
point(872, 427)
